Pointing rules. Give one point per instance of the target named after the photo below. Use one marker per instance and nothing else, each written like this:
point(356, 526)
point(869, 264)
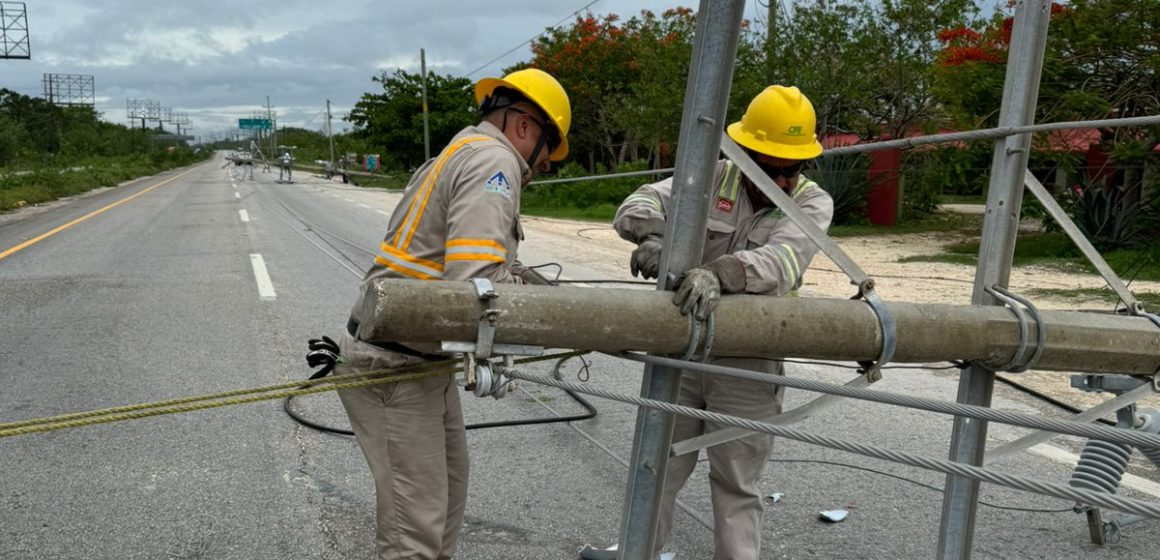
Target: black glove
point(701, 287)
point(646, 259)
point(323, 352)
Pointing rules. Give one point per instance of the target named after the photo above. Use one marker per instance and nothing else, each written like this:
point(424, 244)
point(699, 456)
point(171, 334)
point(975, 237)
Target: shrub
point(846, 179)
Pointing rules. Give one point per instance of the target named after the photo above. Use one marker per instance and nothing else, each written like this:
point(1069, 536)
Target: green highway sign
point(254, 124)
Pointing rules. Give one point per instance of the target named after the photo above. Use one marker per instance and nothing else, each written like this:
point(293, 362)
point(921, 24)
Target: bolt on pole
point(702, 123)
point(1000, 227)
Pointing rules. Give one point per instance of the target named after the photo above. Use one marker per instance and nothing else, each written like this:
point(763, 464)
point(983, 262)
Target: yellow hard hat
point(543, 90)
point(779, 122)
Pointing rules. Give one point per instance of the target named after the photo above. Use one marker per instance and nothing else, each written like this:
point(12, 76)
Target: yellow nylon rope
point(242, 396)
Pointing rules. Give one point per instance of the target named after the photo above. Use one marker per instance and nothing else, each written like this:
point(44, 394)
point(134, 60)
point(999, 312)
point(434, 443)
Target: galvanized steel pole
point(1000, 227)
point(702, 123)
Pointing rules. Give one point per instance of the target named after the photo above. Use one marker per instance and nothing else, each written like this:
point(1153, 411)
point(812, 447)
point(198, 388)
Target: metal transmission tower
point(181, 119)
point(144, 109)
point(70, 89)
point(14, 31)
point(164, 116)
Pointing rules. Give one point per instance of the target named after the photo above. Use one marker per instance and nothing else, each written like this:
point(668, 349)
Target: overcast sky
point(217, 60)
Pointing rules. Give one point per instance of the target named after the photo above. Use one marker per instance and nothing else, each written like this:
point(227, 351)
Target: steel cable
point(1139, 439)
point(1101, 499)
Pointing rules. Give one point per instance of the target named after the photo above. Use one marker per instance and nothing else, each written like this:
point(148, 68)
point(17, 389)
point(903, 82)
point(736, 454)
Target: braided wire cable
point(212, 396)
point(243, 396)
point(207, 404)
point(1101, 499)
point(1107, 433)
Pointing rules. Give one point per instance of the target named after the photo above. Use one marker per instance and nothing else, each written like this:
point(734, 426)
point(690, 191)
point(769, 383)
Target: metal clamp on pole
point(487, 319)
point(873, 370)
point(1017, 364)
point(479, 373)
point(695, 338)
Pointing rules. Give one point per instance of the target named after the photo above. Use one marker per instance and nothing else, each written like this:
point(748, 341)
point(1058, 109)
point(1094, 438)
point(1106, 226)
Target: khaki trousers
point(734, 467)
point(412, 436)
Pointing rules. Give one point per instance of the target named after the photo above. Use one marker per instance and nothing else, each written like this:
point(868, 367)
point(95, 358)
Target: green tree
point(393, 120)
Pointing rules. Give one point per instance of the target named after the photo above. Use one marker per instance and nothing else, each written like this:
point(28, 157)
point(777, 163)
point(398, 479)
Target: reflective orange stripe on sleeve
point(474, 250)
point(409, 265)
point(419, 203)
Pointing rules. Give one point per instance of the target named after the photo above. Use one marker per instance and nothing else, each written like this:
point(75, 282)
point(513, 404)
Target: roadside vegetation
point(48, 152)
point(878, 69)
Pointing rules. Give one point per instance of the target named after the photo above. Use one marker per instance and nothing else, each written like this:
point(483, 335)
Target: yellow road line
point(7, 252)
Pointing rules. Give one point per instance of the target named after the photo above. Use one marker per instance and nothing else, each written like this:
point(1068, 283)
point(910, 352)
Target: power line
point(533, 38)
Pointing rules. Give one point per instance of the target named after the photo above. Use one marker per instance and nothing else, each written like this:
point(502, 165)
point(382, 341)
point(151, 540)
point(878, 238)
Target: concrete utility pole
point(329, 133)
point(1000, 227)
point(273, 129)
point(617, 320)
point(426, 128)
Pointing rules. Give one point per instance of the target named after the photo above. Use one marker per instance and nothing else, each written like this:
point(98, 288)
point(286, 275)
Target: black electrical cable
point(590, 411)
point(1047, 398)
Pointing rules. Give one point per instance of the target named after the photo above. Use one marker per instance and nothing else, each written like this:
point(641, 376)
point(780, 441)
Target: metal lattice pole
point(706, 99)
point(1005, 195)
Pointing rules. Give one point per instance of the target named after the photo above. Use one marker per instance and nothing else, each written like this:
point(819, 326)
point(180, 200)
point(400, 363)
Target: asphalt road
point(157, 298)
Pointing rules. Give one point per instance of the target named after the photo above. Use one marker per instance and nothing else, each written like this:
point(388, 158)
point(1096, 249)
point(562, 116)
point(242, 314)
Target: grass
point(43, 184)
point(1151, 300)
point(941, 221)
point(598, 213)
point(964, 199)
point(1055, 250)
point(388, 182)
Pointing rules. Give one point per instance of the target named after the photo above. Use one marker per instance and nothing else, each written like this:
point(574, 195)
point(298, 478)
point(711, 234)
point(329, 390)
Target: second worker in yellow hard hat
point(750, 247)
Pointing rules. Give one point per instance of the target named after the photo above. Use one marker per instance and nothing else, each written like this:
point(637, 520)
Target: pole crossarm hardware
point(865, 284)
point(620, 320)
point(1101, 499)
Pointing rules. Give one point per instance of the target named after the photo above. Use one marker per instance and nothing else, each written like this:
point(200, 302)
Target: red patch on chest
point(724, 205)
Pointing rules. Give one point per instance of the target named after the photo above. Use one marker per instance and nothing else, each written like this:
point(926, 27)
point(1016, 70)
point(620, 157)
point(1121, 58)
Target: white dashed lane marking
point(262, 277)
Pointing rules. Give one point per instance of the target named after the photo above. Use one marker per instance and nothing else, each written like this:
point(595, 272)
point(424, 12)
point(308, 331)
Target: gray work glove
point(701, 287)
point(646, 259)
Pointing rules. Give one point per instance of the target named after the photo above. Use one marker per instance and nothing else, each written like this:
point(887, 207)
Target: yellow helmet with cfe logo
point(543, 90)
point(779, 122)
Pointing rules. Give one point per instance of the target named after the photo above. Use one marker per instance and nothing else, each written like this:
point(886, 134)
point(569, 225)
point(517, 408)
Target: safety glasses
point(788, 171)
point(552, 136)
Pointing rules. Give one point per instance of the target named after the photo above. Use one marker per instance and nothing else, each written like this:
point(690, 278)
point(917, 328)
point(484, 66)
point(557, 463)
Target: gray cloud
point(218, 59)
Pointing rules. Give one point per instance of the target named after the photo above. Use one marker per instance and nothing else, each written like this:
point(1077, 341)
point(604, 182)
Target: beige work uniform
point(458, 219)
point(775, 253)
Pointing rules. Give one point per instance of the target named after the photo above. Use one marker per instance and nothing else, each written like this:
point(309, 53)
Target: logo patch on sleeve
point(498, 183)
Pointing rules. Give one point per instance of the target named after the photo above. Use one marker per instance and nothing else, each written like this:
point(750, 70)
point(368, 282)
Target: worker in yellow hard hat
point(750, 247)
point(458, 219)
